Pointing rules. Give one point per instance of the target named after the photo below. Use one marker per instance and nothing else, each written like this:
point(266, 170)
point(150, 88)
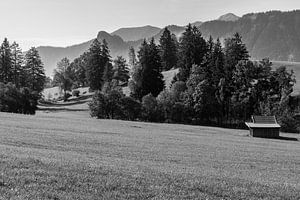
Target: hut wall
point(265, 132)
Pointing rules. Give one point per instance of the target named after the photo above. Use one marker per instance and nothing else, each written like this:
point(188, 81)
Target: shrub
point(177, 89)
point(288, 123)
point(106, 105)
point(17, 100)
point(75, 93)
point(131, 109)
point(150, 109)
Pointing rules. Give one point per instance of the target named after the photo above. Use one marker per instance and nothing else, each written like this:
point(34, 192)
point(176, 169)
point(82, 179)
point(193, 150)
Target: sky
point(67, 22)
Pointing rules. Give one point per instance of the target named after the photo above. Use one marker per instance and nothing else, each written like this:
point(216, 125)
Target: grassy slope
point(66, 155)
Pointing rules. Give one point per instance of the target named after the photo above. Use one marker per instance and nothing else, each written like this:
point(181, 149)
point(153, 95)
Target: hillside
point(52, 55)
point(272, 34)
point(64, 154)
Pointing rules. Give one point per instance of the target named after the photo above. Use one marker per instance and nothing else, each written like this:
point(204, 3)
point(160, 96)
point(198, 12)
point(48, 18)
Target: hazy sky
point(66, 22)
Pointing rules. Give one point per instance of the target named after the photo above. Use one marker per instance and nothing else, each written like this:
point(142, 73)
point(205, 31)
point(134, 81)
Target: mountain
point(136, 33)
point(52, 55)
point(197, 24)
point(273, 34)
point(229, 17)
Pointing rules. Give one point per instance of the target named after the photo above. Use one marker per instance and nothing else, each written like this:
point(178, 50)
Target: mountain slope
point(52, 55)
point(136, 33)
point(272, 34)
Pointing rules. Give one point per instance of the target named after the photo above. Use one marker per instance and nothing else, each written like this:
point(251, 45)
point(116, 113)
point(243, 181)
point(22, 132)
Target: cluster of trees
point(216, 85)
point(22, 78)
point(94, 68)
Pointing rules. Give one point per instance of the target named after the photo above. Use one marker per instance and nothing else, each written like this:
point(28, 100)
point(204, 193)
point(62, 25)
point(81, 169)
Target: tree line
point(216, 84)
point(22, 78)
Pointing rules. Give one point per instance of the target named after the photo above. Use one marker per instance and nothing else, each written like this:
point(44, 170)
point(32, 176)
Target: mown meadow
point(64, 154)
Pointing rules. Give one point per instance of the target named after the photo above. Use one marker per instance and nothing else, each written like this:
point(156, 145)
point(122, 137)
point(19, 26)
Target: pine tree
point(147, 77)
point(17, 62)
point(192, 49)
point(98, 59)
point(235, 51)
point(6, 71)
point(35, 72)
point(168, 50)
point(121, 72)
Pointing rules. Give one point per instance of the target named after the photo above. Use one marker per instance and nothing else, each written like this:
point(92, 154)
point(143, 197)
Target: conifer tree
point(6, 72)
point(192, 49)
point(98, 60)
point(168, 50)
point(17, 62)
point(35, 72)
point(121, 72)
point(147, 77)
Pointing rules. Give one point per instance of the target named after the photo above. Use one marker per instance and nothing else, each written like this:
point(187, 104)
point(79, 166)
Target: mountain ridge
point(272, 34)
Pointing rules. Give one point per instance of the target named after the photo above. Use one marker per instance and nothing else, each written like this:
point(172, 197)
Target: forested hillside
point(273, 34)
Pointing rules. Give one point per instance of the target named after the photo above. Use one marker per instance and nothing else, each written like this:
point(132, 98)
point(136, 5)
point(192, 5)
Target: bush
point(131, 109)
point(288, 123)
point(75, 93)
point(114, 105)
point(106, 106)
point(17, 100)
point(150, 109)
point(174, 111)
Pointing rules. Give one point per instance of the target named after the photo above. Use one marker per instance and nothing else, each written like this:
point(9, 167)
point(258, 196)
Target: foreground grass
point(68, 156)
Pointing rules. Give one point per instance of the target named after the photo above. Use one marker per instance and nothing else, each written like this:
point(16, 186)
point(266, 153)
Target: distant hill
point(273, 34)
point(136, 33)
point(229, 17)
point(197, 24)
point(51, 55)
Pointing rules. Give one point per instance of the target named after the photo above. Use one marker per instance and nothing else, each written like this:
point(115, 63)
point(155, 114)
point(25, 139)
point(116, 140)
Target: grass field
point(61, 153)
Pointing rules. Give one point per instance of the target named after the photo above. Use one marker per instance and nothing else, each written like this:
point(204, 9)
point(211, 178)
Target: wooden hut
point(264, 126)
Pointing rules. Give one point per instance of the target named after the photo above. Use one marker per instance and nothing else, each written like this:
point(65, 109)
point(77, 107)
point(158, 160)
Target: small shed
point(264, 126)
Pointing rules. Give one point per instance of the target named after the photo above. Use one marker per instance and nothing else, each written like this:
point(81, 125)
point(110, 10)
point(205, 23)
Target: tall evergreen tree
point(17, 65)
point(121, 72)
point(235, 51)
point(97, 60)
point(168, 50)
point(35, 71)
point(192, 49)
point(6, 71)
point(147, 77)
